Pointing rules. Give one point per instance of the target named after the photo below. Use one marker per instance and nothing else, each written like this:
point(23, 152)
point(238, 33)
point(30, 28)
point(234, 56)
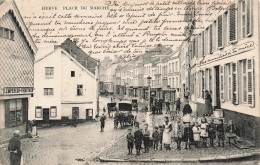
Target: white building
point(62, 86)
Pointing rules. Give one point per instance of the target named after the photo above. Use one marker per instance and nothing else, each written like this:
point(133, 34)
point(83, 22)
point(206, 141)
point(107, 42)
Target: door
point(217, 93)
point(46, 115)
point(89, 114)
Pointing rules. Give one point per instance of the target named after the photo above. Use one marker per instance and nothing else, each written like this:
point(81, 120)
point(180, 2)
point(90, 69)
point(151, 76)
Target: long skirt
point(34, 131)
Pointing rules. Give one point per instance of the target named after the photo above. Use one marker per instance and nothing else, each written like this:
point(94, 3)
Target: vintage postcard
point(129, 82)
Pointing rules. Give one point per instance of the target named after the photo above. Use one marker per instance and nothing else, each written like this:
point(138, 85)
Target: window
point(173, 67)
point(232, 23)
point(79, 90)
point(48, 91)
point(6, 33)
point(12, 35)
point(214, 39)
point(235, 85)
point(170, 68)
point(206, 41)
point(246, 14)
point(72, 74)
point(173, 83)
point(221, 83)
point(202, 44)
point(244, 81)
point(38, 112)
point(49, 72)
point(15, 112)
point(220, 32)
point(228, 81)
point(225, 23)
point(203, 83)
point(176, 66)
point(177, 82)
point(53, 111)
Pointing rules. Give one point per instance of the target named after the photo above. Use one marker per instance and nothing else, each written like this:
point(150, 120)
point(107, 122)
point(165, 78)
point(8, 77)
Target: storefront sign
point(228, 53)
point(17, 90)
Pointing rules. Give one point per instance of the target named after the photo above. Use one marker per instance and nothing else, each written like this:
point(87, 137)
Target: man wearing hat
point(14, 147)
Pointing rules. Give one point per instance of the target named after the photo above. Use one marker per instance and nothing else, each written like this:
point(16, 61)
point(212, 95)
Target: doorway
point(46, 115)
point(89, 114)
point(217, 93)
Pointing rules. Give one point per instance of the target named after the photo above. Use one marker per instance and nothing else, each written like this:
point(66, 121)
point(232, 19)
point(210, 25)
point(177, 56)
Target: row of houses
point(222, 57)
point(61, 83)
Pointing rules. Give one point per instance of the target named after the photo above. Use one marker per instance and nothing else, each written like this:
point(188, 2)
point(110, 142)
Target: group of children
point(192, 133)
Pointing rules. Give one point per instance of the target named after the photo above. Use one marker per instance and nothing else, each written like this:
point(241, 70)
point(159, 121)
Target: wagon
point(125, 116)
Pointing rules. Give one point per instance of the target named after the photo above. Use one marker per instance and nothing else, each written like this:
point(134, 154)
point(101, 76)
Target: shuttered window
point(203, 83)
point(196, 47)
point(220, 32)
point(221, 77)
point(235, 83)
point(225, 29)
point(210, 39)
point(202, 44)
point(249, 13)
point(232, 23)
point(214, 37)
point(250, 79)
point(243, 8)
point(206, 41)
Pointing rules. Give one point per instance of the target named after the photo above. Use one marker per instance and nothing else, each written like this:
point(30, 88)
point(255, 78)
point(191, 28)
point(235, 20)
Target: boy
point(146, 138)
point(155, 138)
point(187, 135)
point(212, 132)
point(220, 133)
point(130, 141)
point(138, 136)
point(160, 136)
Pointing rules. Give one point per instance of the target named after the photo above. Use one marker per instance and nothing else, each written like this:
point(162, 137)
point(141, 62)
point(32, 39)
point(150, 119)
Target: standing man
point(102, 121)
point(14, 147)
point(178, 105)
point(138, 137)
point(167, 107)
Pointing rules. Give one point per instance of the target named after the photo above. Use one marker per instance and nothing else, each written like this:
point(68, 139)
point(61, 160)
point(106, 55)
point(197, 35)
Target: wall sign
point(17, 90)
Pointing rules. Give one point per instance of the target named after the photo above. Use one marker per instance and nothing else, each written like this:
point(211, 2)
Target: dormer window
point(6, 33)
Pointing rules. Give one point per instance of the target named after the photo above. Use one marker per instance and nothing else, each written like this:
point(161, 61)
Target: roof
point(68, 55)
point(10, 6)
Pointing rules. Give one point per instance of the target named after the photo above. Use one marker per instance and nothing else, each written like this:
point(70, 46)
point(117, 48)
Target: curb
point(195, 160)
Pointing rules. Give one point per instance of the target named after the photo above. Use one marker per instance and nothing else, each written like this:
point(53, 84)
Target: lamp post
point(149, 92)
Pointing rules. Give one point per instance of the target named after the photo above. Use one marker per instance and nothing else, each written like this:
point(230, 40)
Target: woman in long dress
point(167, 126)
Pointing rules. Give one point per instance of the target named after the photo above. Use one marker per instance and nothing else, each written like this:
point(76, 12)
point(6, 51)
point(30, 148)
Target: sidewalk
point(118, 152)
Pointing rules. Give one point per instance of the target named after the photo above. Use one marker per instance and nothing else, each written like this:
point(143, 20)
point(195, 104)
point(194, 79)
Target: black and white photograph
point(119, 82)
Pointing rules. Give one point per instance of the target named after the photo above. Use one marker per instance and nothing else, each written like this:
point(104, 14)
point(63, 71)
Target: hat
point(16, 132)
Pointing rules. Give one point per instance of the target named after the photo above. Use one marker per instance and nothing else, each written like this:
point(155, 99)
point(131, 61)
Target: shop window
point(79, 90)
point(38, 112)
point(53, 111)
point(48, 91)
point(15, 112)
point(49, 72)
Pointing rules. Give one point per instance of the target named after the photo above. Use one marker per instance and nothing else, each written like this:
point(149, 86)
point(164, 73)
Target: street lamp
point(149, 92)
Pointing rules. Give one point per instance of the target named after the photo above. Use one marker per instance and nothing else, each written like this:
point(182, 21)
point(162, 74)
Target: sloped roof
point(68, 55)
point(10, 6)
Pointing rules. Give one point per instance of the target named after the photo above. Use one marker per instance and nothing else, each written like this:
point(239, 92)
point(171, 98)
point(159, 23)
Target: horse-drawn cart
point(124, 115)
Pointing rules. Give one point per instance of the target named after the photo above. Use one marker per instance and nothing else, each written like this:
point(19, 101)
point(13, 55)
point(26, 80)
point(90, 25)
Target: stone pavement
point(118, 152)
point(66, 144)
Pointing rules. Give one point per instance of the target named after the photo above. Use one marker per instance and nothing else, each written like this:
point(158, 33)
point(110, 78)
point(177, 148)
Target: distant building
point(16, 67)
point(64, 88)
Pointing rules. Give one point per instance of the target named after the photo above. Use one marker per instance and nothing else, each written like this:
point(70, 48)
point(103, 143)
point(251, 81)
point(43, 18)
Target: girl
point(167, 126)
point(204, 131)
point(196, 134)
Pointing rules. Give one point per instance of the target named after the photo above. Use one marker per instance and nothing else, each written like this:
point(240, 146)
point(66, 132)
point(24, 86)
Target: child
point(204, 131)
point(160, 136)
point(178, 129)
point(187, 135)
point(231, 132)
point(146, 138)
point(212, 132)
point(155, 136)
point(138, 136)
point(220, 133)
point(196, 134)
point(130, 141)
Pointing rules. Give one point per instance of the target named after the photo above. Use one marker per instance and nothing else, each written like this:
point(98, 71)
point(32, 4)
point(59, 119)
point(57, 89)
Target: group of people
point(197, 132)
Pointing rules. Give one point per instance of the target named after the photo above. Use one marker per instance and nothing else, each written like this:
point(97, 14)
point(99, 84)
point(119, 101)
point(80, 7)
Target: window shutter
point(251, 82)
point(220, 38)
point(249, 20)
point(232, 23)
point(221, 77)
point(210, 39)
point(225, 82)
point(235, 81)
point(202, 44)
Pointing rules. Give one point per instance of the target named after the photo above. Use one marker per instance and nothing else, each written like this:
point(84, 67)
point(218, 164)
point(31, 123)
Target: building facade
point(225, 61)
point(17, 58)
point(64, 88)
